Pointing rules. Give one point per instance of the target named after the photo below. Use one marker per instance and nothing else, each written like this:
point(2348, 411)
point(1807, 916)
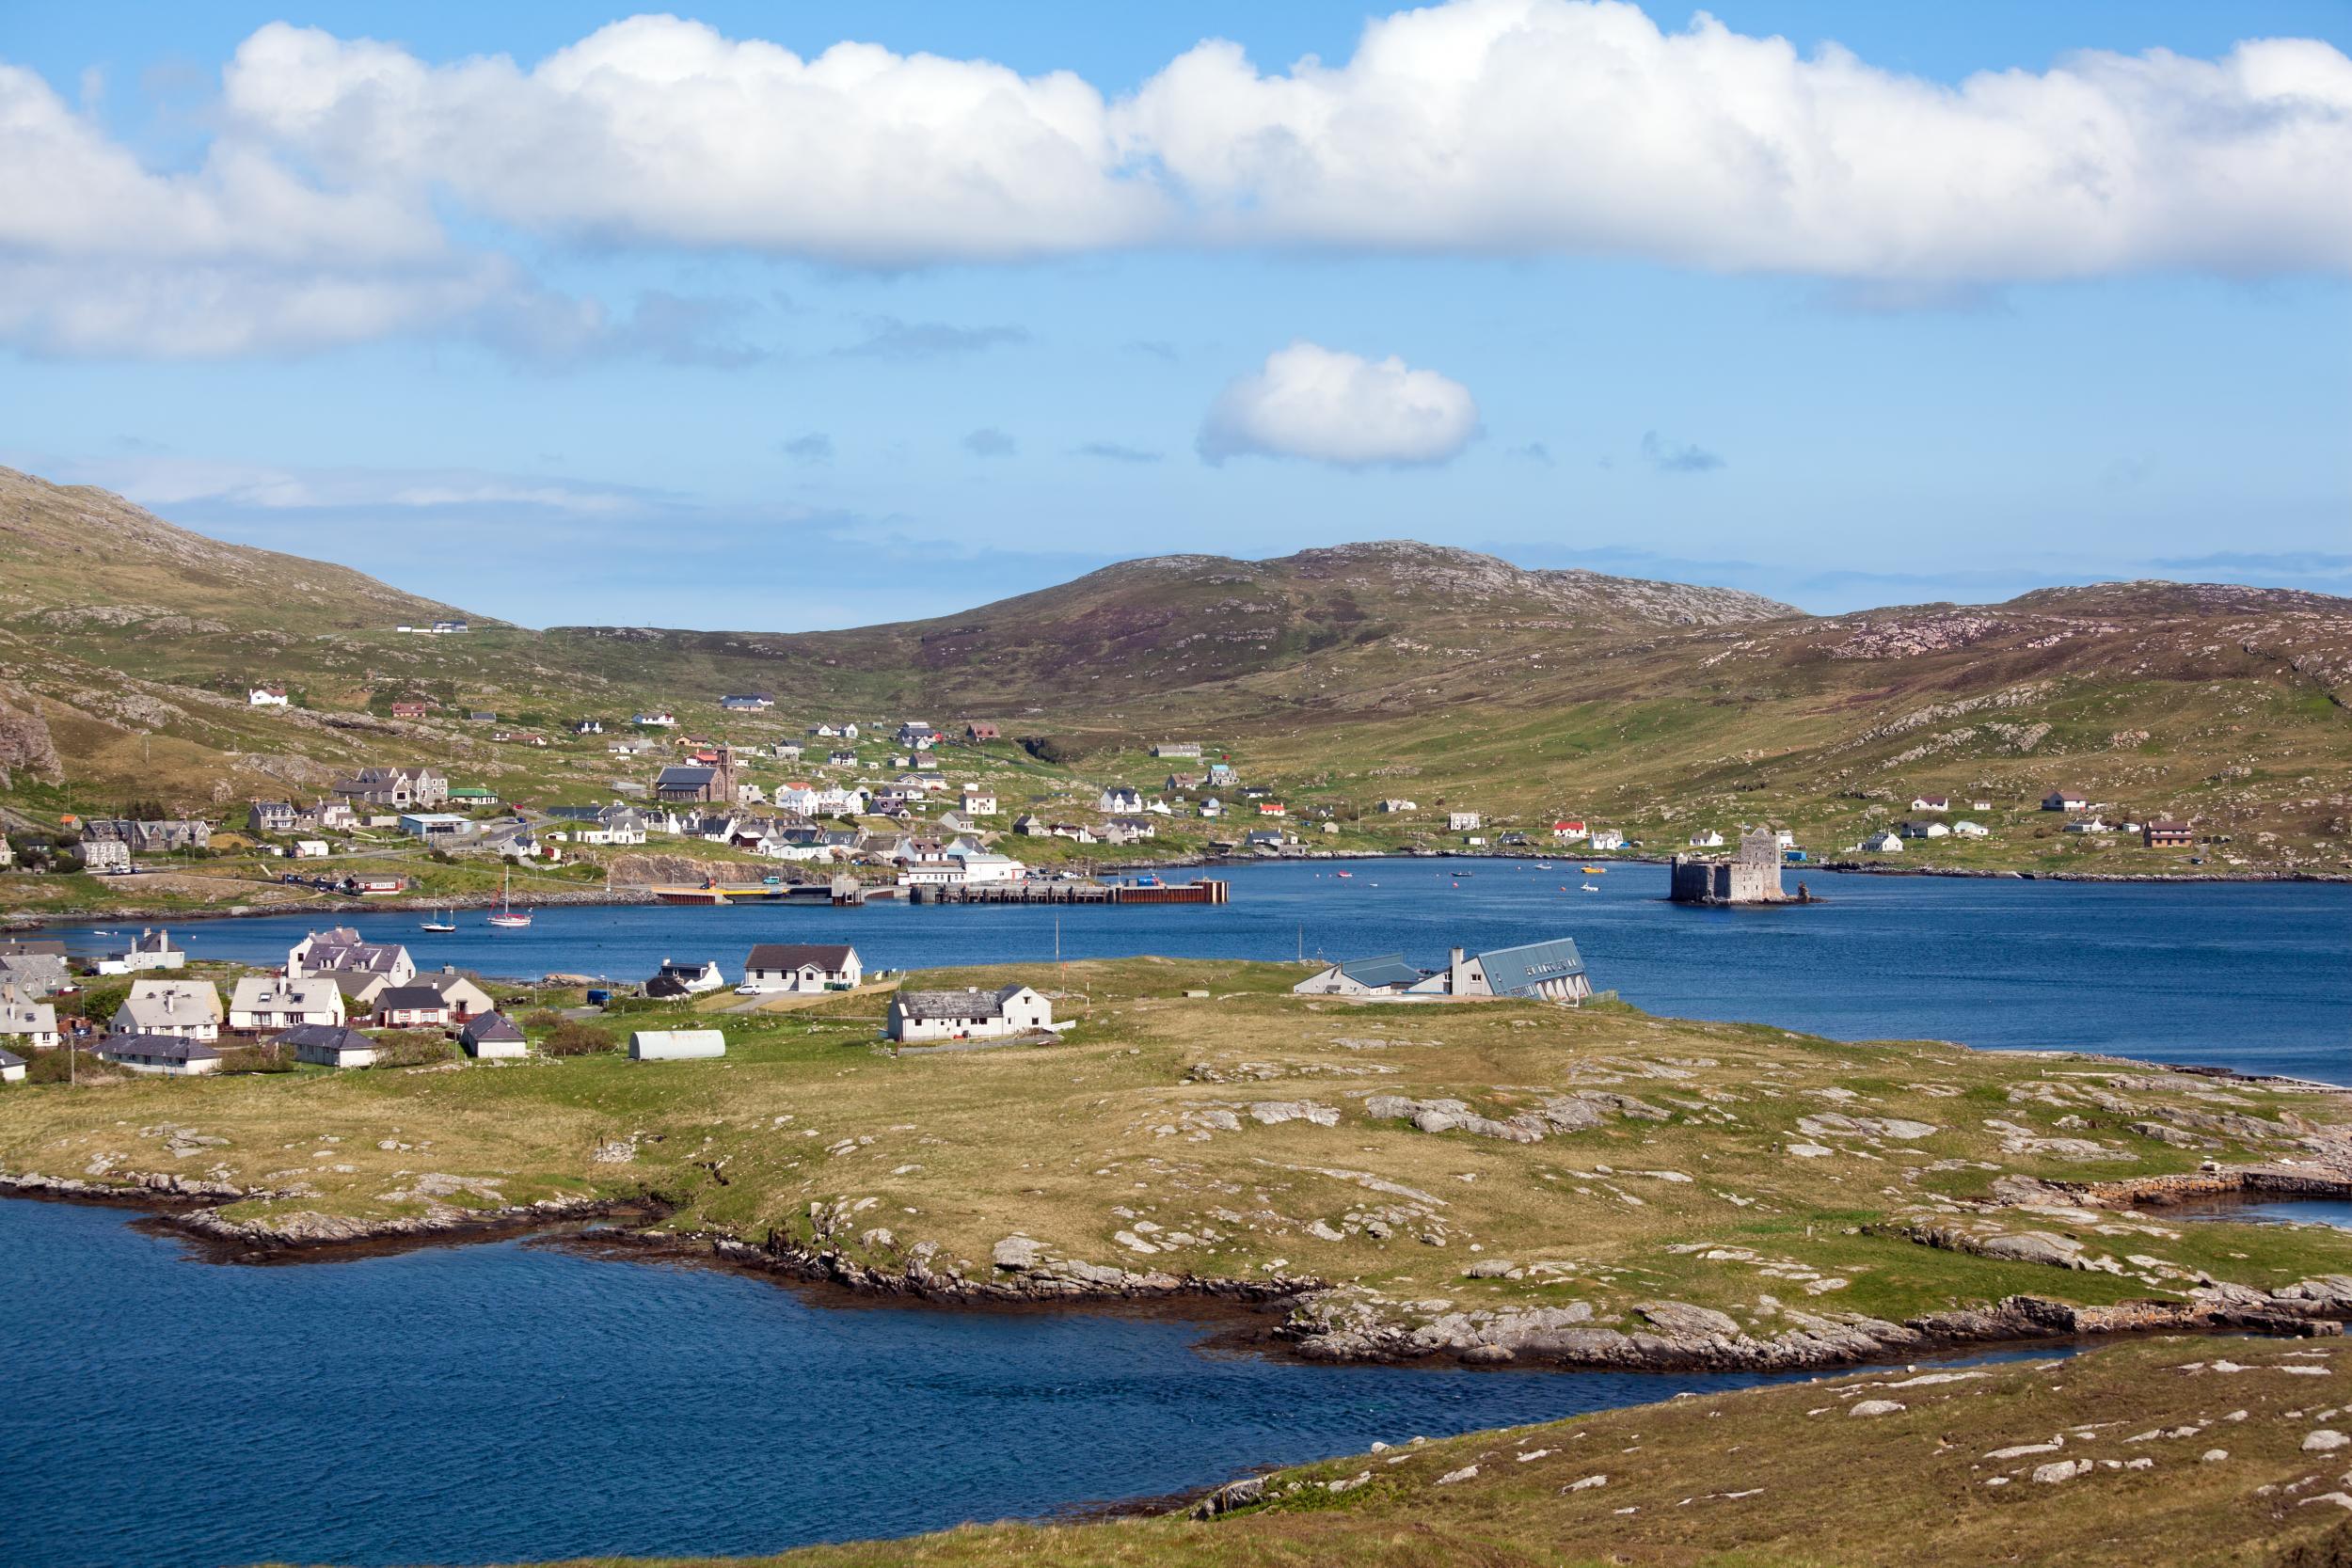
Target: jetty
point(848, 893)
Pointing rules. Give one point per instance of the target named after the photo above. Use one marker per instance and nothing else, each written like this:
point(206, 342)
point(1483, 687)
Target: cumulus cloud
point(660, 131)
point(990, 443)
point(1497, 127)
point(814, 446)
point(1484, 125)
point(1332, 407)
point(1678, 457)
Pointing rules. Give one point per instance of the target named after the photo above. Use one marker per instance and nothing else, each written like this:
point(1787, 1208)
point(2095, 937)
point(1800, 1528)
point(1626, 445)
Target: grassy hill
point(1339, 676)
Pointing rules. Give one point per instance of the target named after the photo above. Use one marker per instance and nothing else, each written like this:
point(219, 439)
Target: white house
point(1397, 807)
point(161, 1055)
point(311, 849)
point(684, 977)
point(1120, 797)
point(983, 866)
point(1709, 839)
point(970, 1014)
point(676, 1045)
point(660, 718)
point(1211, 808)
point(27, 1023)
point(1887, 843)
point(784, 966)
point(1568, 829)
point(1966, 828)
point(261, 1003)
point(266, 696)
point(329, 1045)
point(1607, 838)
point(148, 950)
point(2065, 800)
point(339, 951)
point(186, 1009)
point(2090, 825)
point(1931, 802)
point(493, 1037)
point(975, 802)
point(11, 1068)
point(1463, 821)
point(1922, 828)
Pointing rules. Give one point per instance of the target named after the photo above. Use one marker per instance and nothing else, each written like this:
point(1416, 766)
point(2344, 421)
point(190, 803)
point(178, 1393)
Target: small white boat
point(440, 923)
point(1591, 887)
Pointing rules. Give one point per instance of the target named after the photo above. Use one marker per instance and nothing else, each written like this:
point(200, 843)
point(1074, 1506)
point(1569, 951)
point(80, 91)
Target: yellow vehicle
point(1595, 871)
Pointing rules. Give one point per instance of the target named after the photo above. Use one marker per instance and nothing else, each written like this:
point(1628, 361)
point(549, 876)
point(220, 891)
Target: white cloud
point(1337, 407)
point(1548, 125)
point(663, 132)
point(1475, 127)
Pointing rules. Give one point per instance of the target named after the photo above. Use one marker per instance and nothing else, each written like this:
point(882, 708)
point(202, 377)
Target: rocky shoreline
point(1320, 1320)
point(192, 1206)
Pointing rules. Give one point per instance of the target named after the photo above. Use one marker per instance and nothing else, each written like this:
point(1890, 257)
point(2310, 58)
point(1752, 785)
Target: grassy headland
point(1494, 1183)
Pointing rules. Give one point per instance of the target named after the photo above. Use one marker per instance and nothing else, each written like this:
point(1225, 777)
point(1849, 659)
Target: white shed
point(676, 1045)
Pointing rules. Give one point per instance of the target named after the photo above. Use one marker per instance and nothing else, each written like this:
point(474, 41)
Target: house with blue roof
point(1548, 971)
point(1386, 976)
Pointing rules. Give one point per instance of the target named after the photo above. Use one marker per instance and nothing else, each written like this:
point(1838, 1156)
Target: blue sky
point(1847, 333)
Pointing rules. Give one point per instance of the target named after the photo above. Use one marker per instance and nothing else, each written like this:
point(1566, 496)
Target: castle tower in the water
point(1751, 877)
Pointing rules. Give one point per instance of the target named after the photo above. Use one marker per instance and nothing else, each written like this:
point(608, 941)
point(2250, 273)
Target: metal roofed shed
point(1386, 974)
point(676, 1045)
point(1552, 970)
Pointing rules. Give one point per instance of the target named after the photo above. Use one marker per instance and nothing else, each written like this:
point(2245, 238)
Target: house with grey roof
point(339, 951)
point(265, 1004)
point(402, 788)
point(150, 949)
point(33, 972)
point(1549, 970)
point(27, 1023)
point(149, 837)
point(411, 1007)
point(188, 1009)
point(493, 1036)
point(11, 1068)
point(329, 1045)
point(1387, 975)
point(918, 1015)
point(161, 1055)
point(787, 966)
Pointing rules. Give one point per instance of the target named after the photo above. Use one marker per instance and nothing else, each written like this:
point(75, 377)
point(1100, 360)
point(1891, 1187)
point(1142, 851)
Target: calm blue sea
point(2250, 975)
point(517, 1400)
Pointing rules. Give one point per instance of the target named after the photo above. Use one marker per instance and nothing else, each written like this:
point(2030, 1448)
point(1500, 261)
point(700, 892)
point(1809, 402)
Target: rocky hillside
point(1192, 621)
point(74, 557)
point(1342, 676)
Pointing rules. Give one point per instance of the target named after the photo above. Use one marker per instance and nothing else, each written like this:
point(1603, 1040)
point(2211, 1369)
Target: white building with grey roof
point(27, 1023)
point(182, 1010)
point(919, 1016)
